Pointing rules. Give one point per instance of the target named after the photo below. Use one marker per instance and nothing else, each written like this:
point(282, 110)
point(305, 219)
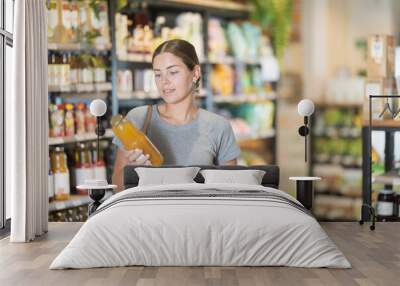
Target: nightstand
point(304, 190)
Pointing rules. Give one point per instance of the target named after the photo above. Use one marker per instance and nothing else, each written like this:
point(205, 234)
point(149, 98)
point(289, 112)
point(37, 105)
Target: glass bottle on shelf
point(69, 120)
point(52, 19)
point(57, 120)
point(83, 167)
point(60, 33)
point(90, 121)
point(50, 182)
point(80, 118)
point(73, 70)
point(99, 164)
point(61, 174)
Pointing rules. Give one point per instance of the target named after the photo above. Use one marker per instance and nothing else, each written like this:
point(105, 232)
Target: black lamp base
point(96, 195)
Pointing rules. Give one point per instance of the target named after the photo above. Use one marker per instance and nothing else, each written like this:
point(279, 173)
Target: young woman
point(182, 132)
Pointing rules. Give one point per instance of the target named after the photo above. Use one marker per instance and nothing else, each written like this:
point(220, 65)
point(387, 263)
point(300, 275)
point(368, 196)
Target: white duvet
point(183, 231)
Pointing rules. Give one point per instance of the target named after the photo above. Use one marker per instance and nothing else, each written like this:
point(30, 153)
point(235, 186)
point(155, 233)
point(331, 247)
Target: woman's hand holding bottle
point(136, 157)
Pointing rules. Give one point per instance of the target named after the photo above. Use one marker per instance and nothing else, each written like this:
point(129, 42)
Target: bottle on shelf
point(90, 121)
point(56, 120)
point(98, 162)
point(50, 182)
point(83, 166)
point(99, 69)
point(69, 120)
point(61, 174)
point(80, 118)
point(132, 138)
point(73, 69)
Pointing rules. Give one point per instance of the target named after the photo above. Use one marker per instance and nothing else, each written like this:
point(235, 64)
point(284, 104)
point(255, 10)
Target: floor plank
point(374, 255)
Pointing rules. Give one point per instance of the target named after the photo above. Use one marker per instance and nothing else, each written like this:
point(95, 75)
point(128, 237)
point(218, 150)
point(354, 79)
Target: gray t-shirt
point(207, 140)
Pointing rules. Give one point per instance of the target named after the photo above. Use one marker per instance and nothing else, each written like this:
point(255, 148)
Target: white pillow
point(165, 176)
point(249, 177)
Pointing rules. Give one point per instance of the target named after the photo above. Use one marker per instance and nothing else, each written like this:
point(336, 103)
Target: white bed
point(224, 225)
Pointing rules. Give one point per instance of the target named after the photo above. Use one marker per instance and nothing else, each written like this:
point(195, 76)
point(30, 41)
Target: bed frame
point(270, 179)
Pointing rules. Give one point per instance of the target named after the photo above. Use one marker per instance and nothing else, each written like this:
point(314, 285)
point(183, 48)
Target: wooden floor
point(375, 257)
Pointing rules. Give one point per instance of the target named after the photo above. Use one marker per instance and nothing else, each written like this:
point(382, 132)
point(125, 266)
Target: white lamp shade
point(98, 107)
point(305, 107)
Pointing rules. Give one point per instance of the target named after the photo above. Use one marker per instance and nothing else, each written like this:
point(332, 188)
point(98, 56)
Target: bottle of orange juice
point(61, 174)
point(133, 138)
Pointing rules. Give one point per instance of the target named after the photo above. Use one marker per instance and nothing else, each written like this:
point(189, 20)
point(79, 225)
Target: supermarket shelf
point(387, 179)
point(231, 60)
point(383, 124)
point(241, 98)
point(266, 135)
point(83, 87)
point(215, 4)
point(133, 98)
point(335, 164)
point(338, 193)
point(78, 47)
point(339, 132)
point(135, 58)
point(79, 138)
point(74, 201)
point(354, 105)
point(225, 7)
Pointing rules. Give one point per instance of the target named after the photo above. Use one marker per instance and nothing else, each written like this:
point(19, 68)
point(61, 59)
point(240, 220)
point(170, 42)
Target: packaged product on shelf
point(64, 67)
point(83, 166)
point(50, 182)
point(124, 83)
point(61, 174)
point(222, 79)
point(237, 42)
point(52, 20)
point(66, 21)
point(132, 138)
point(98, 162)
point(147, 40)
point(51, 71)
point(80, 114)
point(58, 70)
point(135, 44)
point(190, 27)
point(73, 69)
point(385, 204)
point(99, 22)
point(99, 69)
point(158, 25)
point(74, 20)
point(121, 35)
point(252, 34)
point(149, 85)
point(59, 33)
point(380, 59)
point(86, 69)
point(85, 26)
point(69, 120)
point(90, 121)
point(57, 120)
point(217, 45)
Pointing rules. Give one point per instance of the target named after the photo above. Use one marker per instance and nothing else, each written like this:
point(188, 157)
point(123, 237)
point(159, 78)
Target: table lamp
point(305, 108)
point(97, 187)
